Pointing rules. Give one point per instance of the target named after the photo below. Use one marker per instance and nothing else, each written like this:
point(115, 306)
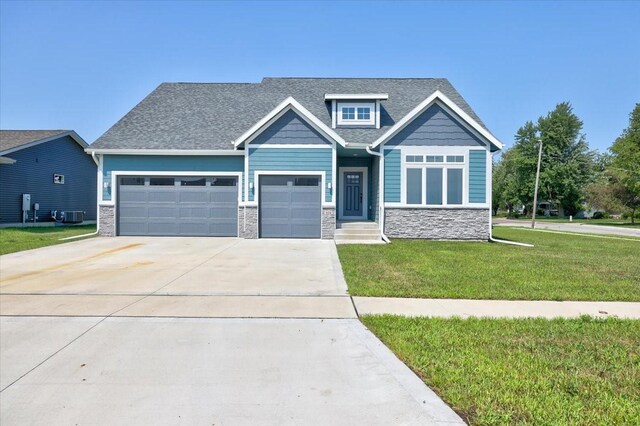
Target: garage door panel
point(162, 196)
point(288, 209)
point(224, 212)
point(306, 213)
point(190, 210)
point(162, 228)
point(133, 211)
point(199, 196)
point(162, 212)
point(193, 228)
point(304, 231)
point(193, 213)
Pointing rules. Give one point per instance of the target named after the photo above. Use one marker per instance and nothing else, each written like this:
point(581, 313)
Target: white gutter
point(93, 157)
point(380, 191)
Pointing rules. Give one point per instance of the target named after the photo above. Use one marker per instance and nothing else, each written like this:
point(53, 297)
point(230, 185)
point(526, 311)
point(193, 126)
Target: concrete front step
point(359, 231)
point(357, 225)
point(347, 237)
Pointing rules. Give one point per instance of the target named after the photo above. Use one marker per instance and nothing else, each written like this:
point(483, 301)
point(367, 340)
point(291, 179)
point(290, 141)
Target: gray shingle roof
point(211, 115)
point(14, 138)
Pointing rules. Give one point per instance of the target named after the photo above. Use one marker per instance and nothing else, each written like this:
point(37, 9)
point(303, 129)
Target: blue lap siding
point(434, 127)
point(392, 176)
point(290, 129)
point(290, 159)
point(477, 176)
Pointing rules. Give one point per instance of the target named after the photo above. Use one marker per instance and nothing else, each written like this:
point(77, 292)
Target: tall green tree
point(566, 168)
point(625, 164)
point(567, 162)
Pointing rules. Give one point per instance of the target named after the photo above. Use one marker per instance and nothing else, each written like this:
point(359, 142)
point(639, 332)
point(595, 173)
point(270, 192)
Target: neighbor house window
point(356, 114)
point(434, 180)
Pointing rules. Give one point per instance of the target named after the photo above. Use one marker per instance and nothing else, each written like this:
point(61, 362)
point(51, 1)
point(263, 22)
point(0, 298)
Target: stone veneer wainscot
point(437, 224)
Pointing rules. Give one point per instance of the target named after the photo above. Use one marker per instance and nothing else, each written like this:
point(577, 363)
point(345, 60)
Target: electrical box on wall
point(26, 202)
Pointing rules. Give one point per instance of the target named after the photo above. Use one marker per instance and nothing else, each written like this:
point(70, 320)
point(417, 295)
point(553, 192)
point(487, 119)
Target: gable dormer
point(355, 109)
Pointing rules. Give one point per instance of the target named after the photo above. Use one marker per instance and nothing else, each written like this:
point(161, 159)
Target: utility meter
point(26, 202)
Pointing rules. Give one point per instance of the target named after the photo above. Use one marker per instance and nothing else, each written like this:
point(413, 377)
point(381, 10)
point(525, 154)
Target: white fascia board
point(437, 96)
point(73, 135)
point(165, 151)
point(7, 160)
point(356, 96)
point(289, 103)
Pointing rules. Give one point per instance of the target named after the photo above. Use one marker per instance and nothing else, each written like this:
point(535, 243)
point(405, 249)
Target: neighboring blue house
point(50, 166)
point(298, 158)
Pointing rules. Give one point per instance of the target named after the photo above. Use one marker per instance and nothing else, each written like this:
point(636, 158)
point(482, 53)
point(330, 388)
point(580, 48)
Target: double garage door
point(178, 206)
point(289, 206)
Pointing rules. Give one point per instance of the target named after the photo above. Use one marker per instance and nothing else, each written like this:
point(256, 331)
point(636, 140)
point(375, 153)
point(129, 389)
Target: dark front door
point(352, 203)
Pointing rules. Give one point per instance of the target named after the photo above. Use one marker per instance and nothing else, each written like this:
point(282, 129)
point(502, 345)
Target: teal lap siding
point(477, 176)
point(168, 163)
point(392, 176)
point(293, 160)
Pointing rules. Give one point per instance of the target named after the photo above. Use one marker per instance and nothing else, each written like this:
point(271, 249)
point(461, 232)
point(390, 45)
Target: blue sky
point(83, 66)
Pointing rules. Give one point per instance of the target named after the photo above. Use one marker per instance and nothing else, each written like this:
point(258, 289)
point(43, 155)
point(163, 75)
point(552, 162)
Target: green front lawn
point(559, 267)
point(524, 371)
point(18, 239)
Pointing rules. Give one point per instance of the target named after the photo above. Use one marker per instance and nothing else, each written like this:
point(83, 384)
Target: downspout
point(95, 160)
point(491, 239)
point(380, 191)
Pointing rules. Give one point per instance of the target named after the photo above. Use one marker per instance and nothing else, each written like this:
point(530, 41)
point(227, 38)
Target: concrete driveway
point(158, 331)
point(138, 276)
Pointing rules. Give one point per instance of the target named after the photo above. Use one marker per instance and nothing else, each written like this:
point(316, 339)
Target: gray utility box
point(26, 202)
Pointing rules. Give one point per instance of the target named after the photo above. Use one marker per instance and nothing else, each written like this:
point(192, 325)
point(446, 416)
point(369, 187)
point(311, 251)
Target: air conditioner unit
point(75, 216)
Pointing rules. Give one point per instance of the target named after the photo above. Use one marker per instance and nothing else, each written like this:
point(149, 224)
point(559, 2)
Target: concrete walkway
point(576, 227)
point(464, 308)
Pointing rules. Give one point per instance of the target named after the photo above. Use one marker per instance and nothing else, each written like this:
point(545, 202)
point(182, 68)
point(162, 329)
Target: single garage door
point(290, 207)
point(178, 206)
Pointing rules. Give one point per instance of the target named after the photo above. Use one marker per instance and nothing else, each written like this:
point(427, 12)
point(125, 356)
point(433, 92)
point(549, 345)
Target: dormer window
point(358, 114)
point(355, 109)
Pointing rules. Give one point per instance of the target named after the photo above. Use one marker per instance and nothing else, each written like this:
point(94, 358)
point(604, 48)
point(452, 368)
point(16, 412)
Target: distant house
point(52, 168)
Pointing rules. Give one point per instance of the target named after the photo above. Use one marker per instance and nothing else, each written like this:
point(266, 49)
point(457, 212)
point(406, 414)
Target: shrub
point(598, 215)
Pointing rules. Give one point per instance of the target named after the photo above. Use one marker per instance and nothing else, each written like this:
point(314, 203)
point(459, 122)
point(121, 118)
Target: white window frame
point(433, 151)
point(355, 122)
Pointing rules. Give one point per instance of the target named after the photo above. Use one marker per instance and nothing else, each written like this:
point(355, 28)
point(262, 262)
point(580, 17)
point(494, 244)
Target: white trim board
point(288, 104)
point(356, 96)
point(210, 152)
point(293, 145)
point(365, 191)
point(441, 99)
